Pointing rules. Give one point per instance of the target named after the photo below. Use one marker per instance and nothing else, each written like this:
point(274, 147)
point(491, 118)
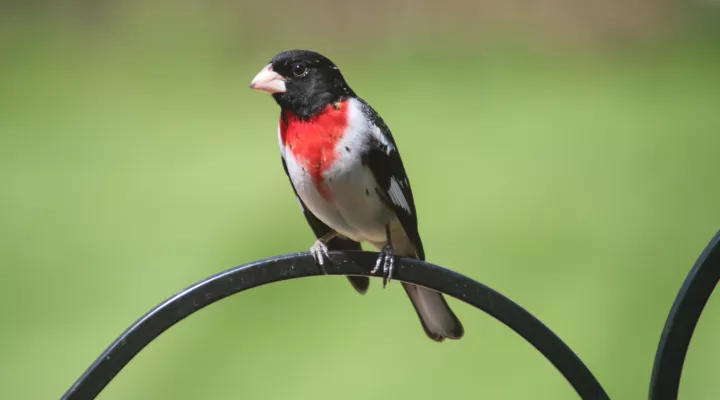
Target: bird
point(347, 175)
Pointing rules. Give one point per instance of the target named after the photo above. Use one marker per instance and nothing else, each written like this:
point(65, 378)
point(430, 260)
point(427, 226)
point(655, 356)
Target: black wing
point(383, 159)
point(360, 283)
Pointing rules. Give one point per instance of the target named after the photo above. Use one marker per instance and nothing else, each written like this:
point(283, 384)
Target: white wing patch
point(397, 196)
point(377, 134)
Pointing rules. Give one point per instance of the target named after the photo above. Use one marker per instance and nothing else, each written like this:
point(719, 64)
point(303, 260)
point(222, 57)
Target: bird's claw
point(319, 252)
point(386, 259)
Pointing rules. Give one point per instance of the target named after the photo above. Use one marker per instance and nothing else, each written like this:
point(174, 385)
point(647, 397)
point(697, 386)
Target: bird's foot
point(386, 259)
point(319, 252)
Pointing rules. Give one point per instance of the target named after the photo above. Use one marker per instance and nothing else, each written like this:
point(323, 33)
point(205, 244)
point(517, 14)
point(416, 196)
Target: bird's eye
point(299, 70)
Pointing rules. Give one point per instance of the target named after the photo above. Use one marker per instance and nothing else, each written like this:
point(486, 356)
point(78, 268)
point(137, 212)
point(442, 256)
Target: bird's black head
point(303, 82)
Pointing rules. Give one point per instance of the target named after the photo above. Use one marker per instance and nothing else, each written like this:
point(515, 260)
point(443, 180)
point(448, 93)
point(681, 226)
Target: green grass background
point(582, 186)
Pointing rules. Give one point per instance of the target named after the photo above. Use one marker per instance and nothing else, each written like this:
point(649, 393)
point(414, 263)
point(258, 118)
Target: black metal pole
point(275, 269)
point(680, 324)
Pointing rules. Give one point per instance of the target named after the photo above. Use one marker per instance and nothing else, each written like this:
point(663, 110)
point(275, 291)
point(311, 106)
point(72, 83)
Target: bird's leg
point(319, 250)
point(386, 259)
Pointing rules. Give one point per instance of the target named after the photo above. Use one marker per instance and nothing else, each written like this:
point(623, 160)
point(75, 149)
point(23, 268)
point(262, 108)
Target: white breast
point(354, 208)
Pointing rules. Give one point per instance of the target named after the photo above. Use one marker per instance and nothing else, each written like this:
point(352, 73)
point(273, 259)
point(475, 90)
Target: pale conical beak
point(269, 81)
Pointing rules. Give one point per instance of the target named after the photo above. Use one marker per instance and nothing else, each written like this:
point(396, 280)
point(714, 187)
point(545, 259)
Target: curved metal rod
point(681, 322)
point(292, 266)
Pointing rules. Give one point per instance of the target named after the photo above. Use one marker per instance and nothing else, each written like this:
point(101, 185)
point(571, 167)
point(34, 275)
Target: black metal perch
point(347, 263)
point(681, 322)
point(669, 359)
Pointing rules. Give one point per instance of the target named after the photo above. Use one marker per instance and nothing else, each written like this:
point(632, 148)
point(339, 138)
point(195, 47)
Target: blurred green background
point(564, 153)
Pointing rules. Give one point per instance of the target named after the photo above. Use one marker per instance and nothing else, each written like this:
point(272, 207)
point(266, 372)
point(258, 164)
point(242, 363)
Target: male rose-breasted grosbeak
point(347, 174)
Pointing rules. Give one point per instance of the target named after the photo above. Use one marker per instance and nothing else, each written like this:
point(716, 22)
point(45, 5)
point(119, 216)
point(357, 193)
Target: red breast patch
point(312, 142)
